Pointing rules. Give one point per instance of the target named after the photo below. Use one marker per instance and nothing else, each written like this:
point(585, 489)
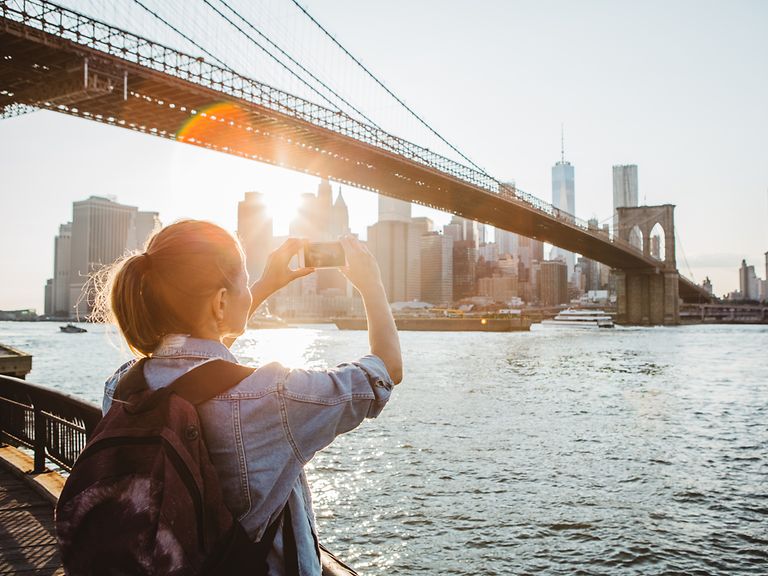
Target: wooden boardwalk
point(27, 537)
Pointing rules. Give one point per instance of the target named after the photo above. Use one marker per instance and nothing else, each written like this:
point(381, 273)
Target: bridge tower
point(648, 296)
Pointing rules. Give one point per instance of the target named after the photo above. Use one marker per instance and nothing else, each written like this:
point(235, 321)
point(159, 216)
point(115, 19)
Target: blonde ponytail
point(162, 291)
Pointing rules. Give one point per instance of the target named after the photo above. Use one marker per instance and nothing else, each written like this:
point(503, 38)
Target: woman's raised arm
point(363, 271)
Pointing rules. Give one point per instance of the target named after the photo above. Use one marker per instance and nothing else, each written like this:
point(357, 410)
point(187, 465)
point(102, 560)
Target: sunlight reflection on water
point(292, 347)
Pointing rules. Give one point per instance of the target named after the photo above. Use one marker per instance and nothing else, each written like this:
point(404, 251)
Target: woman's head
point(191, 279)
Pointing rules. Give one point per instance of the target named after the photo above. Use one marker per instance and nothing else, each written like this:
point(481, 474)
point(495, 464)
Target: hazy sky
point(679, 88)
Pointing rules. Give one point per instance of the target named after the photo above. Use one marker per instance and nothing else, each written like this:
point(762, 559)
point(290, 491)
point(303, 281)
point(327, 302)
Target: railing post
point(39, 441)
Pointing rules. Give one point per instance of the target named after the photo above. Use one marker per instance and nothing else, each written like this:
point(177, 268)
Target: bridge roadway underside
point(46, 71)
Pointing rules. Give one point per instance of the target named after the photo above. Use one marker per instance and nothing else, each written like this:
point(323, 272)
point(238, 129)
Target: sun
point(282, 205)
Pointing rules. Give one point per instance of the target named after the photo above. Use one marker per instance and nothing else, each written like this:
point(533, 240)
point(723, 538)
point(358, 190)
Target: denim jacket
point(262, 432)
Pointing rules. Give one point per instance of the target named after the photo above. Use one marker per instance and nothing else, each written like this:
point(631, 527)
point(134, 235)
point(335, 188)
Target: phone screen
point(324, 255)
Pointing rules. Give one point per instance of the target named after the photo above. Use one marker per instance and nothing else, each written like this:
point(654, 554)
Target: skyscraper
point(48, 306)
point(466, 241)
point(388, 242)
point(393, 241)
point(625, 191)
point(464, 269)
point(564, 198)
point(553, 283)
point(102, 231)
point(506, 241)
point(147, 223)
point(339, 217)
point(590, 270)
point(748, 283)
point(314, 218)
point(482, 233)
point(437, 269)
point(393, 210)
point(419, 226)
point(463, 230)
point(254, 228)
point(61, 268)
point(333, 281)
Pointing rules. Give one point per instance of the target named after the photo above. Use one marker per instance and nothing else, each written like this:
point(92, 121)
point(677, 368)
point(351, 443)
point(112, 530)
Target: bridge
point(54, 58)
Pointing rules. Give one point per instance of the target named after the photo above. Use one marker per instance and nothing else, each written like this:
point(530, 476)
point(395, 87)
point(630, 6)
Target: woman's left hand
point(277, 272)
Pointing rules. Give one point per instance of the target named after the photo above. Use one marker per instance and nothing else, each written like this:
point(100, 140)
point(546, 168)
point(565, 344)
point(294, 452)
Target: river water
point(632, 451)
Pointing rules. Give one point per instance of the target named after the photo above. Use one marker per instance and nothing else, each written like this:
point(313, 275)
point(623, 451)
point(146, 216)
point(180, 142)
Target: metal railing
point(53, 425)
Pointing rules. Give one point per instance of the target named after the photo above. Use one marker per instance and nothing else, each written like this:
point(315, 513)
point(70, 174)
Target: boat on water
point(574, 318)
point(266, 321)
point(443, 324)
point(72, 329)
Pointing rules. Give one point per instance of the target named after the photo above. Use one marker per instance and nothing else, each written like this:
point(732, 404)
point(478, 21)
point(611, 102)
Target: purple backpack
point(143, 497)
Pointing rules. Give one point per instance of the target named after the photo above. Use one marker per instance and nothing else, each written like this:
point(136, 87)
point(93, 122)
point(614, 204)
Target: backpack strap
point(132, 382)
point(208, 380)
point(200, 384)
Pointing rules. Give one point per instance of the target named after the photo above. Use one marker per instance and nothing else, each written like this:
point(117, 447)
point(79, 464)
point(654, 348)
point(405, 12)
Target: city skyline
point(656, 125)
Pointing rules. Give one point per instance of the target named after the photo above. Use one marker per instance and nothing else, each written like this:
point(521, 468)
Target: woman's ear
point(219, 304)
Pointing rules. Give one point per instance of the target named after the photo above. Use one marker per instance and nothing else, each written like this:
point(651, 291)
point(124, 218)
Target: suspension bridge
point(57, 59)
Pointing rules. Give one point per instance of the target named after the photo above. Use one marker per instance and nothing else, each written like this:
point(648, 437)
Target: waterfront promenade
point(27, 535)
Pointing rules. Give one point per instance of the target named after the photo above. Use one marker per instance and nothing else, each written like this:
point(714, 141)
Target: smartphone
point(324, 255)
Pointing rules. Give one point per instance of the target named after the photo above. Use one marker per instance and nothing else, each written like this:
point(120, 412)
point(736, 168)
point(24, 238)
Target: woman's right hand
point(361, 269)
point(277, 271)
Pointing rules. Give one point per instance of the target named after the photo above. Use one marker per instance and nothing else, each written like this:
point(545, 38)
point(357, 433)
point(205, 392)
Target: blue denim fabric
point(261, 432)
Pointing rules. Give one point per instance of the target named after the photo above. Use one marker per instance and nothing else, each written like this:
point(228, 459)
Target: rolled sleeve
point(379, 380)
point(319, 405)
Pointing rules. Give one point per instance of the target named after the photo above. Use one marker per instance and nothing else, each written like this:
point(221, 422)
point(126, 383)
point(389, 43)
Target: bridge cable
point(216, 58)
point(187, 38)
point(334, 105)
point(229, 69)
point(685, 258)
point(388, 91)
point(272, 56)
point(295, 62)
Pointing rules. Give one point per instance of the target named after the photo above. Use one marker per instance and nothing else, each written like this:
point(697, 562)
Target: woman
point(184, 301)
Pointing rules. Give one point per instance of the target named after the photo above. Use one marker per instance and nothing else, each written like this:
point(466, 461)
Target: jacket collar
point(185, 346)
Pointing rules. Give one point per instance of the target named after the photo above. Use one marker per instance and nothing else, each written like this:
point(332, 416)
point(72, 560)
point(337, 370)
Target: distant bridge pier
point(649, 296)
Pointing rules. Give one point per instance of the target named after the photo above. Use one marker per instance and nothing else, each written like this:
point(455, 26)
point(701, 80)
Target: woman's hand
point(361, 269)
point(277, 272)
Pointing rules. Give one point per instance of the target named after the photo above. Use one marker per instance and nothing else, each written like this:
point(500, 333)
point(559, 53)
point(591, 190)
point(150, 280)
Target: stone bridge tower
point(649, 295)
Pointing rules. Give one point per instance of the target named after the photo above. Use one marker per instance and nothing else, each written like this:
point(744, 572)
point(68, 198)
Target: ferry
point(572, 318)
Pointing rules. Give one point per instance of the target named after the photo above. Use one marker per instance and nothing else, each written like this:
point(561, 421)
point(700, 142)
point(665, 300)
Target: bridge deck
point(59, 60)
point(27, 537)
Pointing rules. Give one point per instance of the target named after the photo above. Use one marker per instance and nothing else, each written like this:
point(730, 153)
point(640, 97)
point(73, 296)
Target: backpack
point(143, 497)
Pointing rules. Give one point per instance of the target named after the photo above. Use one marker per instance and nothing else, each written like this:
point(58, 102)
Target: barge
point(444, 324)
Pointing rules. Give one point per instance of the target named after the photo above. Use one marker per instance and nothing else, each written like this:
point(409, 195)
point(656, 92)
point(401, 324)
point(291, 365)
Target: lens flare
point(206, 125)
